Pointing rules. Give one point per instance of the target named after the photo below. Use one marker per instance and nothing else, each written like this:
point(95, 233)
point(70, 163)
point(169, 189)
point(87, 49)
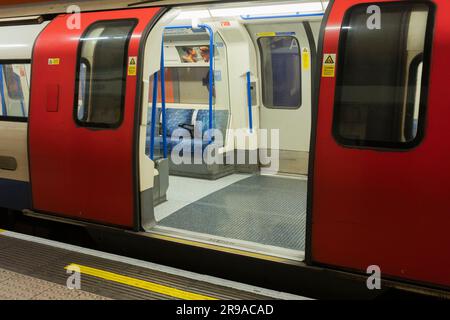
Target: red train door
point(83, 116)
point(381, 178)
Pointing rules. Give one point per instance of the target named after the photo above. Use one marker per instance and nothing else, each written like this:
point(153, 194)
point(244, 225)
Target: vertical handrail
point(211, 69)
point(211, 77)
point(153, 124)
point(250, 102)
point(163, 101)
point(2, 93)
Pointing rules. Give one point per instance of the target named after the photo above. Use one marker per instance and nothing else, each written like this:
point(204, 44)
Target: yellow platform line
point(2, 231)
point(137, 283)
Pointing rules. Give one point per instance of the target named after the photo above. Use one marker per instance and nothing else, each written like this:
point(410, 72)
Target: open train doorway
point(285, 53)
point(227, 106)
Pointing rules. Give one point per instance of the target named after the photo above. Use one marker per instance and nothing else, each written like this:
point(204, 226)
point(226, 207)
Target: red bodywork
point(80, 172)
point(385, 208)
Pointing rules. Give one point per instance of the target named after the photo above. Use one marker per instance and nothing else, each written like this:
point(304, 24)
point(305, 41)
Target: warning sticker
point(54, 61)
point(266, 34)
point(132, 66)
point(329, 65)
point(306, 59)
point(275, 34)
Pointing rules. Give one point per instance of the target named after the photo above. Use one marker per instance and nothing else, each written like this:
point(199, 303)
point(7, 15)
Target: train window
point(187, 85)
point(14, 91)
point(83, 89)
point(101, 77)
point(281, 72)
point(382, 80)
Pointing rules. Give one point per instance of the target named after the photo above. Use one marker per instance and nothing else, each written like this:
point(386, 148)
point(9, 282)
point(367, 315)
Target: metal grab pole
point(153, 124)
point(163, 101)
point(211, 69)
point(211, 78)
point(250, 102)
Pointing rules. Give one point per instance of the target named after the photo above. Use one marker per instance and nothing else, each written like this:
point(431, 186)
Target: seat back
point(177, 117)
point(220, 118)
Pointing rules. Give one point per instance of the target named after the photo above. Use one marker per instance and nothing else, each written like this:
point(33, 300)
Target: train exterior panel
point(79, 171)
point(385, 204)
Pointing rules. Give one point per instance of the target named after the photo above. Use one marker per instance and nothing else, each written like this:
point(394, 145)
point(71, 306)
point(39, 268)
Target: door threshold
point(285, 175)
point(235, 246)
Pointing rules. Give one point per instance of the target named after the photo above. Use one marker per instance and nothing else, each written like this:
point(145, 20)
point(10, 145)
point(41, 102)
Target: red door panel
point(77, 172)
point(384, 207)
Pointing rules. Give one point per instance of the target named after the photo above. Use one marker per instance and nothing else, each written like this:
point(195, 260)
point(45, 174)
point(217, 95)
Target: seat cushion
point(220, 118)
point(177, 117)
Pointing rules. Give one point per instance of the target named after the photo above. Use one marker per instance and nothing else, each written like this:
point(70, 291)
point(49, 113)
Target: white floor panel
point(184, 191)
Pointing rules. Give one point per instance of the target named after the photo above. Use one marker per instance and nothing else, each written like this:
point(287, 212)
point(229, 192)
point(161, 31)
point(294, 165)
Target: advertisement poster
point(199, 54)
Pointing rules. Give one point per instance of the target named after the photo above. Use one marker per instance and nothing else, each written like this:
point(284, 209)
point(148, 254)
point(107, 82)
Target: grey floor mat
point(261, 209)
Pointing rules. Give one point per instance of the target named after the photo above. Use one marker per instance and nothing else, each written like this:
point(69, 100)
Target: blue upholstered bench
point(178, 117)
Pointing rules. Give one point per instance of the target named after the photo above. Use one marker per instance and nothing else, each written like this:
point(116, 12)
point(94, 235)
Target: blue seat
point(177, 117)
point(220, 123)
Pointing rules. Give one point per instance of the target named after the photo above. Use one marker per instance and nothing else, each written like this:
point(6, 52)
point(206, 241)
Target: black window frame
point(92, 125)
point(426, 74)
point(17, 119)
point(263, 75)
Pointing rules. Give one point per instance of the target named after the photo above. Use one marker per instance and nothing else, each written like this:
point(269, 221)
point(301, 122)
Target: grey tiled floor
point(15, 286)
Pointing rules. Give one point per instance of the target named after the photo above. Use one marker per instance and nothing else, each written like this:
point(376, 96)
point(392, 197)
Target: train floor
point(35, 268)
point(260, 209)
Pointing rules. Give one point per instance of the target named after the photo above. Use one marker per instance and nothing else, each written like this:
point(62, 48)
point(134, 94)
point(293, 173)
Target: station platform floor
point(33, 268)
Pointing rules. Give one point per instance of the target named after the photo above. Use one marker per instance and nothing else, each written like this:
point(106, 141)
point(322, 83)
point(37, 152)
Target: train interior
point(231, 162)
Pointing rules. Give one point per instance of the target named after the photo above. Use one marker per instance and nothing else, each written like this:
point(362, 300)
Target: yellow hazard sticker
point(54, 61)
point(266, 34)
point(306, 61)
point(329, 65)
point(132, 66)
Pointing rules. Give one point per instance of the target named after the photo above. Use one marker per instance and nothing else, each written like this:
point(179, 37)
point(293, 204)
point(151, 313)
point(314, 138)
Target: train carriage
point(307, 133)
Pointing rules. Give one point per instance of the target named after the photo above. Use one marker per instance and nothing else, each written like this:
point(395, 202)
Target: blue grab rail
point(153, 124)
point(299, 15)
point(2, 93)
point(211, 75)
point(163, 101)
point(163, 92)
point(250, 102)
